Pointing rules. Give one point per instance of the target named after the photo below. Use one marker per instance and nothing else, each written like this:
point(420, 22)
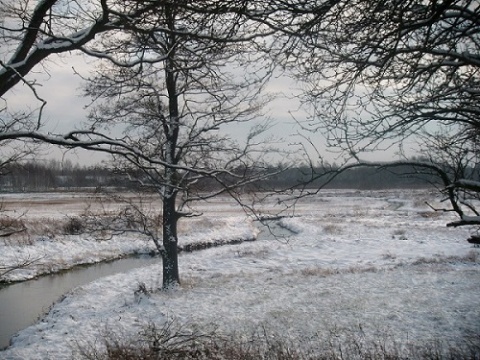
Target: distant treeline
point(361, 178)
point(56, 176)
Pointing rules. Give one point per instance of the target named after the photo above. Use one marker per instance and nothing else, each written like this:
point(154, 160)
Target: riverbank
point(41, 255)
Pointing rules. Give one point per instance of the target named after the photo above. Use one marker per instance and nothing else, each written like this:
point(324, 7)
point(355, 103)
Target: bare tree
point(167, 33)
point(384, 73)
point(178, 110)
point(394, 68)
point(32, 33)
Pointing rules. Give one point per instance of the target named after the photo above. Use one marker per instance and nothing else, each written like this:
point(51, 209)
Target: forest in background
point(54, 175)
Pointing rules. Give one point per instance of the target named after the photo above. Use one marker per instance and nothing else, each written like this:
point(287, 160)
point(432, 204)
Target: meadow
point(347, 273)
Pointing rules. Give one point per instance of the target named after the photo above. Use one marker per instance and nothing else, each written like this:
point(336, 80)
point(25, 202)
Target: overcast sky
point(65, 109)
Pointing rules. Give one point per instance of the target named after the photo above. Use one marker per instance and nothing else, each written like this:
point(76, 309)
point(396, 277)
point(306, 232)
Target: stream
point(23, 303)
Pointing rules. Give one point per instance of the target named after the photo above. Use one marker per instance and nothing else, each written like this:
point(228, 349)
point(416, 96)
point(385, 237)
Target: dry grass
point(318, 271)
point(471, 257)
point(324, 272)
point(389, 256)
point(253, 253)
point(332, 229)
point(34, 229)
point(173, 341)
point(11, 222)
point(430, 214)
point(189, 282)
point(400, 234)
point(192, 225)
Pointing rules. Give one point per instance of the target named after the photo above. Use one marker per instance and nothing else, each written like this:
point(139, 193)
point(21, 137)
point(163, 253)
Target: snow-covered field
point(379, 261)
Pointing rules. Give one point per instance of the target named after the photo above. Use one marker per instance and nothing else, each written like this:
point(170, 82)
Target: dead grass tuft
point(332, 229)
point(400, 234)
point(471, 257)
point(318, 271)
point(430, 214)
point(192, 225)
point(389, 256)
point(253, 253)
point(189, 282)
point(324, 272)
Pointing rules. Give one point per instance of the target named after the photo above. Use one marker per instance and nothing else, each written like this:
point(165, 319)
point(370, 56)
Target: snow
point(52, 254)
point(379, 260)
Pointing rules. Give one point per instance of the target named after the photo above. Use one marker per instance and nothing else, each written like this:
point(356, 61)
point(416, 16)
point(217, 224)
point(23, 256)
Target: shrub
point(74, 226)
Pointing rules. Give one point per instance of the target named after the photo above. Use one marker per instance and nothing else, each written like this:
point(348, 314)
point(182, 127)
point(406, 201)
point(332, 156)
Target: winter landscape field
point(347, 269)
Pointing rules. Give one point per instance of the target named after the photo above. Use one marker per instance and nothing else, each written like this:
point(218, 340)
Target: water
point(21, 304)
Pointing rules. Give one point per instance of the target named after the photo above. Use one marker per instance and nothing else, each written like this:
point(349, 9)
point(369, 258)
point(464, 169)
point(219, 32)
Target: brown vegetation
point(173, 341)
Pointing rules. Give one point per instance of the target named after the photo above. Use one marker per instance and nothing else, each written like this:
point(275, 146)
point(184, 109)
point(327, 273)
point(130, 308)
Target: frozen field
point(379, 264)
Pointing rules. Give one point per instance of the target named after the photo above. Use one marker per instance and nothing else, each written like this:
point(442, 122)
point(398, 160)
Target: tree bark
point(171, 127)
point(171, 275)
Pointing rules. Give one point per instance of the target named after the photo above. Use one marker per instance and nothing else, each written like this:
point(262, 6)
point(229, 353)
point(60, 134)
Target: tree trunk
point(171, 128)
point(171, 275)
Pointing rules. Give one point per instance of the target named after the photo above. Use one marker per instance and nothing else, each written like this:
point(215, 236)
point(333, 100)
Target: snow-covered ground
point(379, 261)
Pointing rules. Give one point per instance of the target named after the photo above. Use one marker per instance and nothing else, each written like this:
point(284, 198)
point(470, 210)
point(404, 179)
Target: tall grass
point(172, 341)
